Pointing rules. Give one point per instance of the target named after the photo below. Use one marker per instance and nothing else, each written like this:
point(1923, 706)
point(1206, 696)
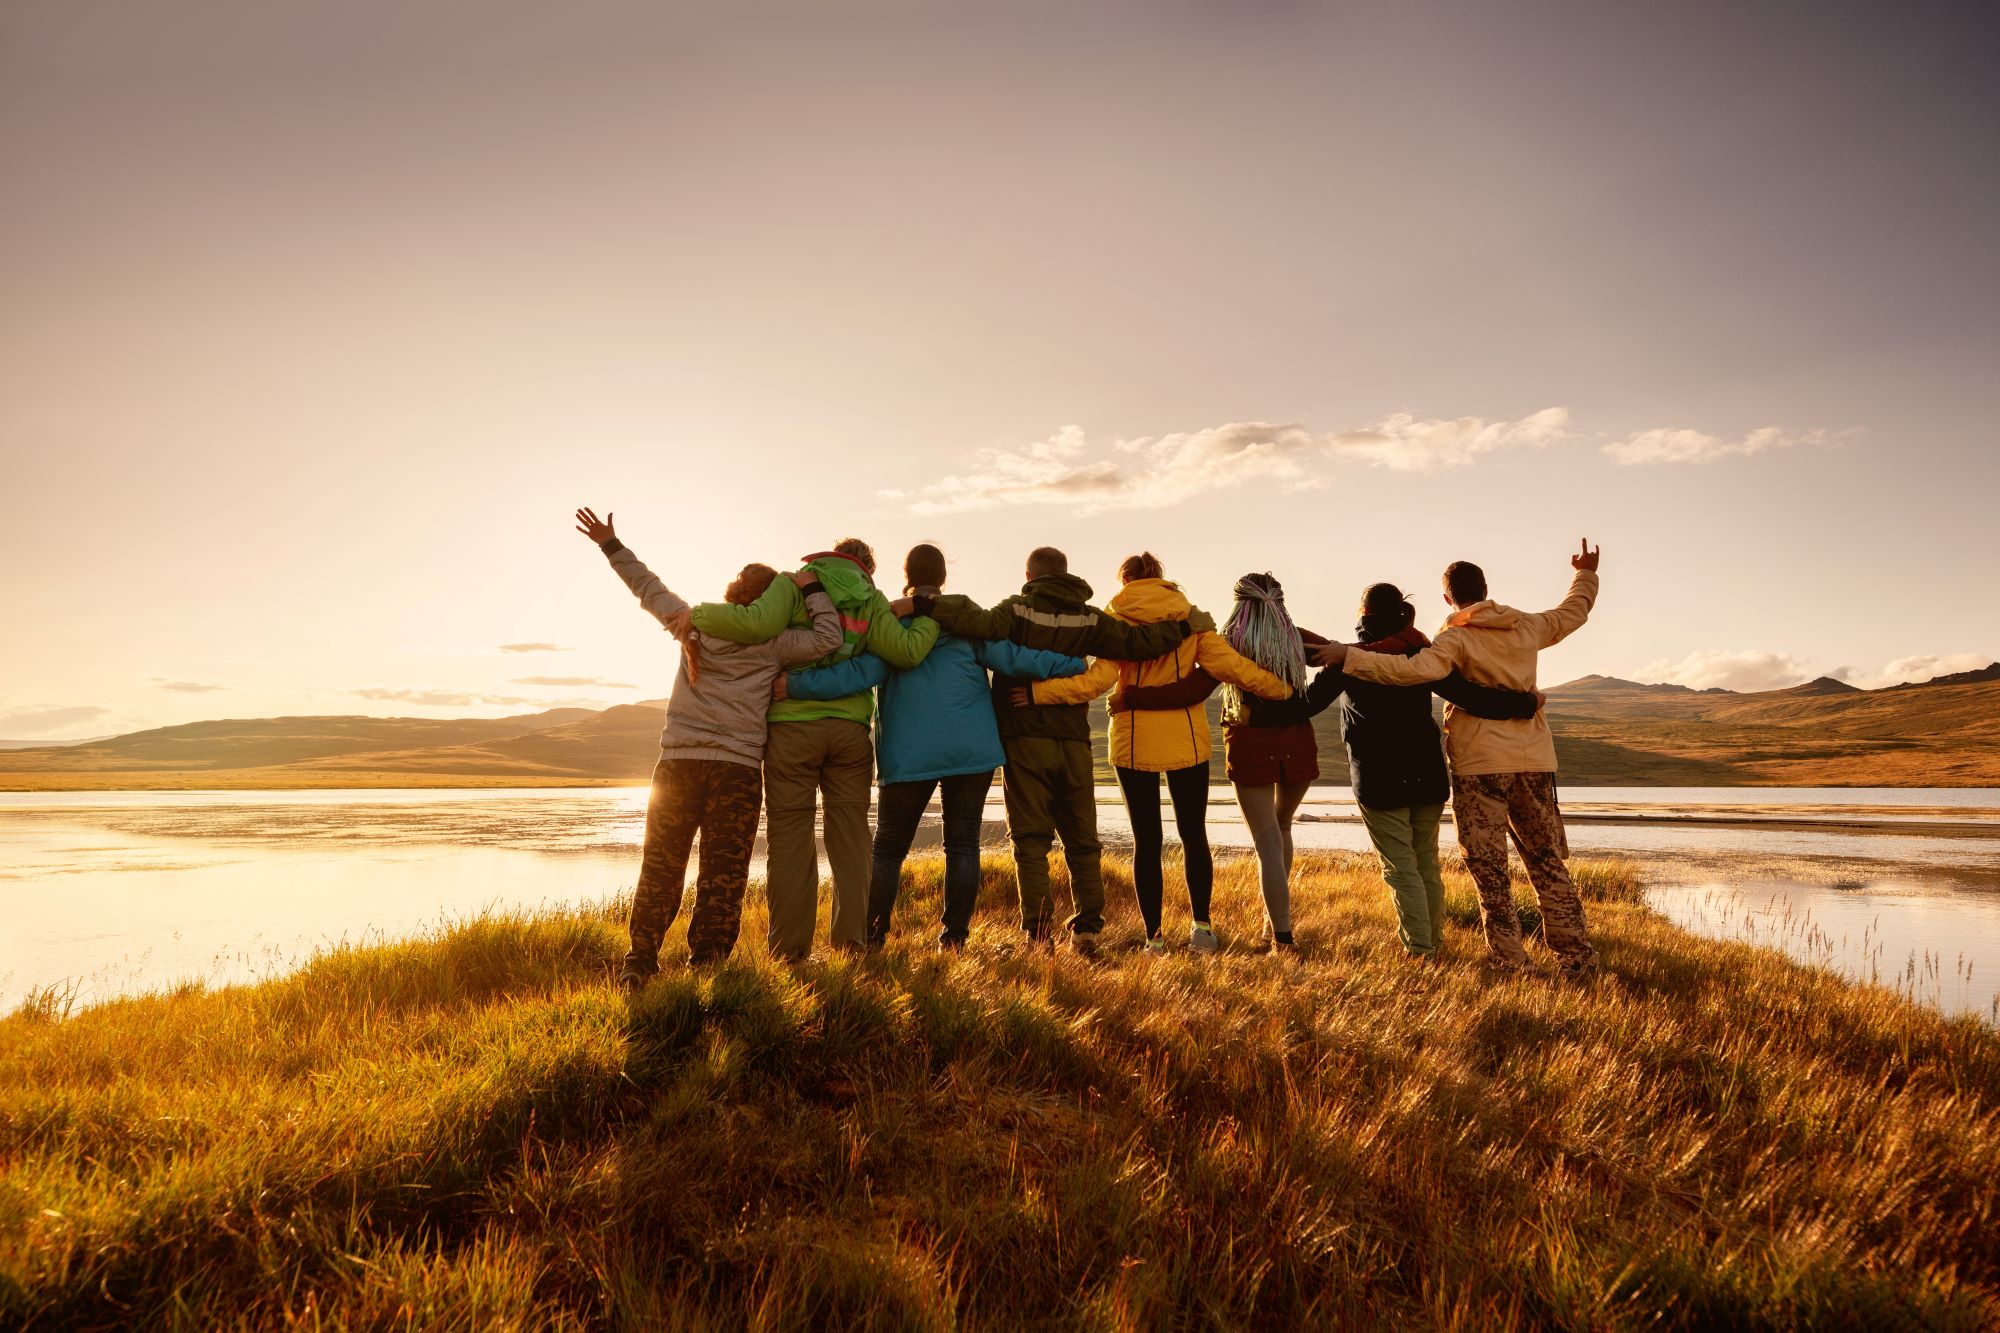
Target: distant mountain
point(1608, 731)
point(1982, 675)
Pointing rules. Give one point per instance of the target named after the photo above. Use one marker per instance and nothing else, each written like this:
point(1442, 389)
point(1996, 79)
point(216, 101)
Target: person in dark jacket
point(1048, 778)
point(1394, 750)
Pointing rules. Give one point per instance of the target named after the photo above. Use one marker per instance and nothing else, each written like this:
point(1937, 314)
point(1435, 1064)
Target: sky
point(317, 322)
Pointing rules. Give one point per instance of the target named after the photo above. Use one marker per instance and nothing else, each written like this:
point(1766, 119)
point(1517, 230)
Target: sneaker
point(631, 980)
point(1084, 942)
point(1203, 939)
point(950, 944)
point(1583, 970)
point(1156, 947)
point(1285, 949)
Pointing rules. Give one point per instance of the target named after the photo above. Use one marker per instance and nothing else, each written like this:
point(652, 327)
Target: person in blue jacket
point(934, 727)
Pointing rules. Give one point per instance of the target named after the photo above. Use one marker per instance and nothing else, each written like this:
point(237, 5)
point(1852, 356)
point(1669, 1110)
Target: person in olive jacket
point(1049, 781)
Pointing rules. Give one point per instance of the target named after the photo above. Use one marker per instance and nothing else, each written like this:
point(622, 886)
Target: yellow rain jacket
point(1160, 742)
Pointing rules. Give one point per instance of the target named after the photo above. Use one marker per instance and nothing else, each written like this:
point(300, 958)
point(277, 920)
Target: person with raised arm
point(1144, 746)
point(1503, 770)
point(709, 776)
point(1049, 780)
point(934, 728)
point(1394, 757)
point(819, 753)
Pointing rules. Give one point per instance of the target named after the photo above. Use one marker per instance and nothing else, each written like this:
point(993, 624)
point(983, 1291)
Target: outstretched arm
point(1487, 701)
point(1136, 643)
point(901, 646)
point(816, 639)
point(1220, 658)
point(1183, 694)
point(1101, 676)
point(761, 621)
point(967, 619)
point(839, 680)
point(1433, 663)
point(653, 594)
point(1011, 659)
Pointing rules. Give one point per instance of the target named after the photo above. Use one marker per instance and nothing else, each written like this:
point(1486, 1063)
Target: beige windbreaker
point(1491, 645)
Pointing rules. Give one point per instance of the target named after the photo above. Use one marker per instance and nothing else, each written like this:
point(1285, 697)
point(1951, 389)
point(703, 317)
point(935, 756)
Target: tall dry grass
point(476, 1130)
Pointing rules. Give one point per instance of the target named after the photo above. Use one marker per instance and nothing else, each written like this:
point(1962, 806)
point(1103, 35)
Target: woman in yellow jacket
point(1144, 745)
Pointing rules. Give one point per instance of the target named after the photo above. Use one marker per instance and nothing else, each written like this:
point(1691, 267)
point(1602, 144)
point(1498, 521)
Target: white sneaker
point(1202, 939)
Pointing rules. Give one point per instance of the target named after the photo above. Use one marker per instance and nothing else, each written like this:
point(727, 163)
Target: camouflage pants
point(721, 801)
point(1487, 807)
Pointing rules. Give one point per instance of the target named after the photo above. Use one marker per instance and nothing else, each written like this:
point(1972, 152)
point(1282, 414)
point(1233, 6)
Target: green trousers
point(1407, 842)
point(1051, 791)
point(827, 759)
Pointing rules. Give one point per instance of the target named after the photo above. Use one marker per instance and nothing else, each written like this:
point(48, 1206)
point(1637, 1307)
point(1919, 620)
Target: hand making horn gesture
point(1586, 558)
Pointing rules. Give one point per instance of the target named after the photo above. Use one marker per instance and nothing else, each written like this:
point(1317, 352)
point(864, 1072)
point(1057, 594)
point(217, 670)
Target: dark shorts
point(1272, 756)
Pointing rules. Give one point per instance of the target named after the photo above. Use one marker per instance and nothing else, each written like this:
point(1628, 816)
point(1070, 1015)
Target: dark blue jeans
point(899, 808)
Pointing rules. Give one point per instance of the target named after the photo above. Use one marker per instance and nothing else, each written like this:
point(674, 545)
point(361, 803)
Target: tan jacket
point(1160, 742)
point(1491, 645)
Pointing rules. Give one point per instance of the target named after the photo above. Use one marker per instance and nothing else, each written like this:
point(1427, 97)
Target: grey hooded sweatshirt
point(722, 715)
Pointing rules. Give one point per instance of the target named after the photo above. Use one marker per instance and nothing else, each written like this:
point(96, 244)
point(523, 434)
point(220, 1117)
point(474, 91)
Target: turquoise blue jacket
point(936, 719)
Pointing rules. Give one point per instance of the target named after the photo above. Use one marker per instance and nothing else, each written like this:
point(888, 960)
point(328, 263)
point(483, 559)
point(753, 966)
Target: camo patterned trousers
point(721, 801)
point(1486, 808)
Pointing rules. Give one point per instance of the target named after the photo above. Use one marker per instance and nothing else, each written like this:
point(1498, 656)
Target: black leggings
point(1189, 789)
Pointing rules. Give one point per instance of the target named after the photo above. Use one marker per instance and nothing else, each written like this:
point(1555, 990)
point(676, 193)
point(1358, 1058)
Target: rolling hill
point(1609, 731)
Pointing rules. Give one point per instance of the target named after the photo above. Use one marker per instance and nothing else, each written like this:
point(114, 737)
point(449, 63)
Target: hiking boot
point(631, 980)
point(949, 943)
point(1156, 947)
point(1584, 969)
point(1203, 939)
point(1084, 942)
point(1286, 949)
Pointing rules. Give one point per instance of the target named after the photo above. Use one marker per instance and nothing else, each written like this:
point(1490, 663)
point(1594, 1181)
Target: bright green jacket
point(867, 625)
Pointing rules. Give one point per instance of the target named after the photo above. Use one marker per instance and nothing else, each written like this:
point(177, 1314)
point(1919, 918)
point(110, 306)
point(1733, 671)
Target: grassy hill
point(1608, 732)
point(475, 1130)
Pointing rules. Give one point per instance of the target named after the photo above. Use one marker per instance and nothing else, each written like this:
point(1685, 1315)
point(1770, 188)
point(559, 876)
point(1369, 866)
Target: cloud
point(187, 686)
point(440, 698)
point(1680, 445)
point(575, 680)
point(1155, 472)
point(1911, 670)
point(534, 648)
point(1715, 669)
point(42, 721)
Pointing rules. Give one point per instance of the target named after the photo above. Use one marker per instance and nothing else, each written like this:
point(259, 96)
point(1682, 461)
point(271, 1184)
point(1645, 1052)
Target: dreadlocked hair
point(1260, 628)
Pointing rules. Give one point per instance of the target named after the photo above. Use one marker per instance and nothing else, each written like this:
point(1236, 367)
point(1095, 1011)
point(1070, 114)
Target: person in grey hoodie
point(709, 778)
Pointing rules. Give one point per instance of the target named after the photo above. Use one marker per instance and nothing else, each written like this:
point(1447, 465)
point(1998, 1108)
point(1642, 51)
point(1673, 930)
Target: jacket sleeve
point(838, 681)
point(1324, 688)
point(968, 620)
point(1011, 659)
point(1121, 642)
point(1176, 697)
point(817, 639)
point(759, 622)
point(1221, 660)
point(1080, 689)
point(1567, 619)
point(654, 595)
point(901, 646)
point(1433, 663)
point(1488, 701)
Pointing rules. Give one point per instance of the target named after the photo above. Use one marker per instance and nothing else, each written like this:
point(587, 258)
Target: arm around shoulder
point(1079, 689)
point(1487, 701)
point(1433, 663)
point(815, 640)
point(759, 622)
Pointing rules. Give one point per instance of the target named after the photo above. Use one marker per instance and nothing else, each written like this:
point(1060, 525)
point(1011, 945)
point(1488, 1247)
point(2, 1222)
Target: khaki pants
point(1486, 808)
point(830, 757)
point(1051, 790)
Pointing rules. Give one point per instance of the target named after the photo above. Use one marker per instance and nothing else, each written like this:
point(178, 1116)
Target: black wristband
point(1187, 629)
point(611, 546)
point(922, 605)
point(808, 589)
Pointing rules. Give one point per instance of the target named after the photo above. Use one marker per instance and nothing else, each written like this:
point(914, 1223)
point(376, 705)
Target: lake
point(121, 892)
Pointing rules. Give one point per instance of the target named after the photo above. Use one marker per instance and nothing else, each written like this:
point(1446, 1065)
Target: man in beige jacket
point(1503, 771)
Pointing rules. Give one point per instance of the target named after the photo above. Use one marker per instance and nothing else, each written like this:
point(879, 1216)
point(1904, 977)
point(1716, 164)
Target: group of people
point(782, 682)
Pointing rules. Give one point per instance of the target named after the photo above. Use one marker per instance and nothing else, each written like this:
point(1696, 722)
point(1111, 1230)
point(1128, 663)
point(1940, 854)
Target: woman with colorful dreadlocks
point(1394, 752)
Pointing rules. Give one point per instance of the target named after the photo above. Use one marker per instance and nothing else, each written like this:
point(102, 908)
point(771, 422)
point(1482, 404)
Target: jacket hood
point(1061, 589)
point(845, 581)
point(1149, 601)
point(1485, 615)
point(1404, 641)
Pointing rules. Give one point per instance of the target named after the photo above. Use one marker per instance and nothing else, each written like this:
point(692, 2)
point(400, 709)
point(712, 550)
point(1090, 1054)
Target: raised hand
point(1585, 558)
point(598, 530)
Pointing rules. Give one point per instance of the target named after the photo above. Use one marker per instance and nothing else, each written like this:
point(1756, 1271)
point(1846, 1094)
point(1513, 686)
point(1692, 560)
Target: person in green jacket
point(1048, 779)
point(819, 750)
